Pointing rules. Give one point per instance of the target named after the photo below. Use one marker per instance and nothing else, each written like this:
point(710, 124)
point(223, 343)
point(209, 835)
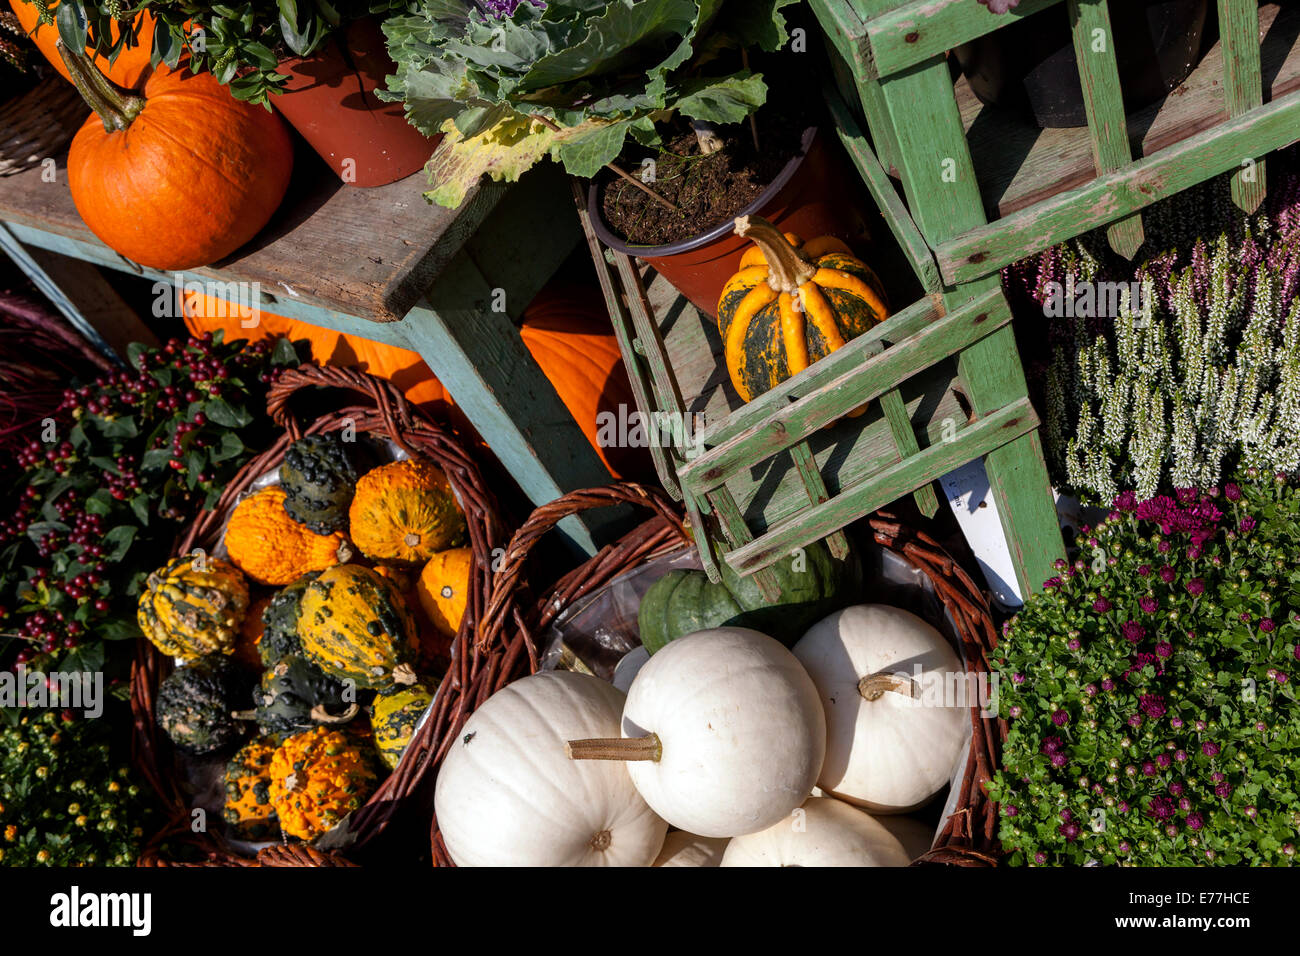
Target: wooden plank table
point(383, 264)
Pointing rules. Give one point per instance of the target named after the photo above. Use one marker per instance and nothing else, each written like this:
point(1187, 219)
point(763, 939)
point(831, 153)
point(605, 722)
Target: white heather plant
point(1208, 381)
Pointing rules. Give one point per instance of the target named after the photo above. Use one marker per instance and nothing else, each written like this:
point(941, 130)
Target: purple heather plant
point(1196, 728)
point(1202, 380)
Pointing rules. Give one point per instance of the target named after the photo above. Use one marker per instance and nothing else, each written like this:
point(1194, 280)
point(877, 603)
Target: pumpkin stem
point(323, 716)
point(786, 268)
point(876, 686)
point(404, 674)
point(616, 748)
point(117, 107)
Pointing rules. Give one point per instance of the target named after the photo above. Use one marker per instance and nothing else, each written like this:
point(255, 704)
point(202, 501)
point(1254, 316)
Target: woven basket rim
point(383, 413)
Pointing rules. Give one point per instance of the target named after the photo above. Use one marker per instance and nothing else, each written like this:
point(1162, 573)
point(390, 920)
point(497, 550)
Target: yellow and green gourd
point(248, 791)
point(193, 606)
point(354, 625)
point(395, 719)
point(792, 304)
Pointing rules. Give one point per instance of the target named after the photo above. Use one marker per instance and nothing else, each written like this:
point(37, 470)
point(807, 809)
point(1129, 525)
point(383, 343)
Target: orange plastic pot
point(330, 99)
point(814, 195)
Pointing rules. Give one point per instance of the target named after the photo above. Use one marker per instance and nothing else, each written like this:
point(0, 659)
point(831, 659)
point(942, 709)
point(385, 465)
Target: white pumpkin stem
point(786, 268)
point(323, 716)
point(616, 748)
point(876, 686)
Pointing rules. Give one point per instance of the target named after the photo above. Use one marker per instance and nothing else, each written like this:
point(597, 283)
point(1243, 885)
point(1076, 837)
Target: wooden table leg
point(478, 354)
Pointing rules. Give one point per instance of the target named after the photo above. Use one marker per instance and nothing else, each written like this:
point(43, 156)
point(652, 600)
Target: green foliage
point(571, 78)
point(102, 487)
point(63, 801)
point(1151, 689)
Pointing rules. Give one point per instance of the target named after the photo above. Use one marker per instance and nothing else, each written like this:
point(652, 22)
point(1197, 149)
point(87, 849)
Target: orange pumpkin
point(179, 177)
point(127, 70)
point(565, 329)
point(443, 589)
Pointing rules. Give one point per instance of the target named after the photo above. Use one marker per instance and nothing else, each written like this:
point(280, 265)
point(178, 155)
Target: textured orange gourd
point(318, 777)
point(405, 511)
point(443, 589)
point(127, 70)
point(792, 304)
point(180, 176)
point(566, 330)
point(271, 548)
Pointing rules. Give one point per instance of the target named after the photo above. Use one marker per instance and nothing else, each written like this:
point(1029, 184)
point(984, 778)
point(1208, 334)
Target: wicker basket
point(513, 622)
point(38, 124)
point(383, 413)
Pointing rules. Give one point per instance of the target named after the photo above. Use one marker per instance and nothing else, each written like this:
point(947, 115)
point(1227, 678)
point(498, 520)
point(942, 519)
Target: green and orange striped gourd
point(791, 304)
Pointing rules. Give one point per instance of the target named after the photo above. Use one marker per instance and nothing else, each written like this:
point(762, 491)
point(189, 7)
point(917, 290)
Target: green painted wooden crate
point(942, 377)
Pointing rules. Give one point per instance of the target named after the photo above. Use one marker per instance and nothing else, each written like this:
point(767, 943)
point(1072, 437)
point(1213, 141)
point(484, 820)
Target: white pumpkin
point(687, 849)
point(916, 837)
point(823, 832)
point(892, 739)
point(628, 665)
point(723, 731)
point(507, 794)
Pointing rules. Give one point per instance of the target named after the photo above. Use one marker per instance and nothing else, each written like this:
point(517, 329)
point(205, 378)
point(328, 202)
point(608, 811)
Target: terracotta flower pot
point(812, 196)
point(330, 99)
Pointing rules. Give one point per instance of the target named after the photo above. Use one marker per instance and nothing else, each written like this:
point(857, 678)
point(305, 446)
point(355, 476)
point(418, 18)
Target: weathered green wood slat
point(992, 431)
point(918, 31)
point(938, 176)
point(882, 191)
point(696, 522)
point(633, 360)
point(984, 249)
point(900, 426)
point(739, 535)
point(897, 328)
point(1243, 88)
point(1094, 49)
point(806, 464)
point(859, 384)
point(945, 200)
point(647, 330)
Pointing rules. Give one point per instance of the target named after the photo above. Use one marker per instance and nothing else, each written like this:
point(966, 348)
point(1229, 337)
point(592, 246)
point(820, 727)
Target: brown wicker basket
point(381, 412)
point(38, 124)
point(508, 637)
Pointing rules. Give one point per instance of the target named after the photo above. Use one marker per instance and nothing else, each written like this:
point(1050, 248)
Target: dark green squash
point(812, 583)
point(296, 695)
point(319, 476)
point(280, 622)
point(195, 704)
